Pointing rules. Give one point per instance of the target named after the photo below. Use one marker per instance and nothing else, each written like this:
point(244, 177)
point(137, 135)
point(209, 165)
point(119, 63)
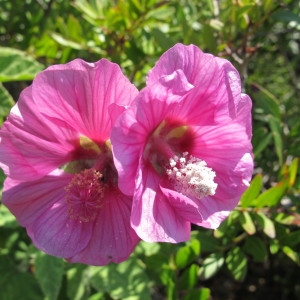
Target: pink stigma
point(85, 195)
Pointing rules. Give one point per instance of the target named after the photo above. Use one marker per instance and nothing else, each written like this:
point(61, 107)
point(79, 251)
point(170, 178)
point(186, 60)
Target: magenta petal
point(63, 103)
point(190, 59)
point(30, 146)
point(82, 92)
point(227, 150)
point(186, 208)
point(152, 217)
point(41, 207)
point(113, 238)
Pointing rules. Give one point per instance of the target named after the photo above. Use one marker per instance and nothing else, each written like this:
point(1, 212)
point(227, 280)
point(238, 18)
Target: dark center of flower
point(167, 151)
point(85, 194)
point(93, 174)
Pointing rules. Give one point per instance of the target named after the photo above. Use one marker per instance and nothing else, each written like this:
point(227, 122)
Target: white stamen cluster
point(191, 176)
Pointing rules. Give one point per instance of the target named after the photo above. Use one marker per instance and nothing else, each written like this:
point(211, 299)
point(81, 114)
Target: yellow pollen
point(88, 144)
point(177, 132)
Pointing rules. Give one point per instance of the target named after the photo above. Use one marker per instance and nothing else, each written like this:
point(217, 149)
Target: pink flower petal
point(41, 207)
point(30, 146)
point(64, 102)
point(152, 217)
point(131, 131)
point(190, 59)
point(185, 207)
point(202, 93)
point(113, 238)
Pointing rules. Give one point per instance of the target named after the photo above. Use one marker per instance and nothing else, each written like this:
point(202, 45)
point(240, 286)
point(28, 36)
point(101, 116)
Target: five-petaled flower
point(183, 148)
point(55, 149)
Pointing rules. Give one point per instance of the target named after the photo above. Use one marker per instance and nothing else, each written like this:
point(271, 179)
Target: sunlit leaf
point(236, 262)
point(187, 254)
point(271, 196)
point(211, 265)
point(293, 255)
point(266, 224)
point(252, 192)
point(285, 218)
point(66, 42)
point(17, 65)
point(293, 171)
point(49, 273)
point(124, 280)
point(7, 219)
point(247, 223)
point(189, 277)
point(199, 294)
point(78, 281)
point(6, 102)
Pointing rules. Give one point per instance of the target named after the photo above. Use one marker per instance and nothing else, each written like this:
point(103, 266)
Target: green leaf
point(272, 196)
point(207, 241)
point(15, 284)
point(252, 192)
point(187, 254)
point(256, 248)
point(200, 294)
point(78, 282)
point(211, 265)
point(67, 43)
point(284, 218)
point(162, 39)
point(291, 239)
point(16, 65)
point(261, 143)
point(6, 103)
point(189, 277)
point(7, 219)
point(286, 16)
point(236, 262)
point(266, 224)
point(247, 223)
point(293, 171)
point(49, 273)
point(269, 102)
point(275, 126)
point(127, 280)
point(293, 255)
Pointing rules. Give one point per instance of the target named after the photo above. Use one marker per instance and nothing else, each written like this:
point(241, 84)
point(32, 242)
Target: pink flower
point(55, 149)
point(183, 148)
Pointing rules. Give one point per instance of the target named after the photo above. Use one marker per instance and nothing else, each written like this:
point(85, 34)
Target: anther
point(191, 176)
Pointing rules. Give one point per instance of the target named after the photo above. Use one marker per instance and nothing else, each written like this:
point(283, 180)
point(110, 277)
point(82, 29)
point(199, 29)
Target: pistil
point(85, 194)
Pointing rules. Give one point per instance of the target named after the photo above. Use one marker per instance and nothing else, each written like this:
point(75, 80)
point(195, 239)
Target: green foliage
point(261, 237)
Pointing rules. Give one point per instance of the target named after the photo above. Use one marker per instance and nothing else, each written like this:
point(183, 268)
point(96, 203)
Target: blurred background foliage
point(255, 254)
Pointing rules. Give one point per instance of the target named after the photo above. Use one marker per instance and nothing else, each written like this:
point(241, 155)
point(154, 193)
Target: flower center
point(191, 177)
point(167, 152)
point(85, 194)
